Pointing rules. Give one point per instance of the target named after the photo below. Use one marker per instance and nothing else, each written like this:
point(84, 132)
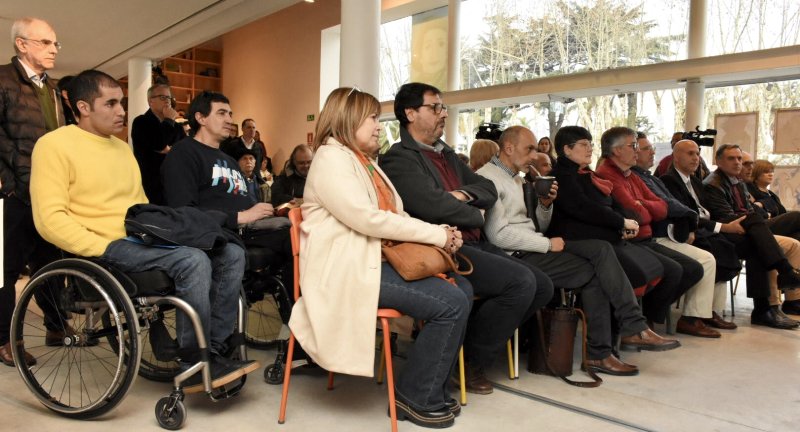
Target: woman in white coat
point(349, 207)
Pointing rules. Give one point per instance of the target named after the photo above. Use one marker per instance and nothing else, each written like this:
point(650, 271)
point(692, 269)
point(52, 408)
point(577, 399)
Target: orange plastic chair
point(296, 217)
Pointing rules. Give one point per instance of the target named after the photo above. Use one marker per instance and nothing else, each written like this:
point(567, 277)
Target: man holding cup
point(588, 265)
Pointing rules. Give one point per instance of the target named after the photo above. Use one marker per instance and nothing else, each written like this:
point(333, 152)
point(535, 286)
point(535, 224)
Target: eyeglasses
point(436, 107)
point(44, 42)
point(634, 146)
point(352, 90)
point(163, 98)
point(584, 143)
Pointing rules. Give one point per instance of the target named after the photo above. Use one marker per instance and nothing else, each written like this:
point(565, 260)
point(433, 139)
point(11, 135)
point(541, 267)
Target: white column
point(139, 80)
point(695, 88)
point(453, 68)
point(360, 47)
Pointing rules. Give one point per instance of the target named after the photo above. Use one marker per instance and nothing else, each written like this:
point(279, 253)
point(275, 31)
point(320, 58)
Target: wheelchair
point(90, 371)
point(268, 303)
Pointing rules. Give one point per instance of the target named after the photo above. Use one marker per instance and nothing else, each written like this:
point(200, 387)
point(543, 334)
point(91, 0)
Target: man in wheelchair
point(83, 182)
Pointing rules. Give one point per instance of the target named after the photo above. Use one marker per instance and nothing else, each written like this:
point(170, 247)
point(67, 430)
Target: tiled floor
point(745, 381)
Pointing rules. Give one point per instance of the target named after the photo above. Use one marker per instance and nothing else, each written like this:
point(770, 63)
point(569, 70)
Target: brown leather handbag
point(414, 261)
point(552, 345)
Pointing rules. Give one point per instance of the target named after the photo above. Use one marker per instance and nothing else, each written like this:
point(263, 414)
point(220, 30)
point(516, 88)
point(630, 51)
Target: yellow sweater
point(81, 187)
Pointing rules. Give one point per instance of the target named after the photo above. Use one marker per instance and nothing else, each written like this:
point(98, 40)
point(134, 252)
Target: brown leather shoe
point(476, 381)
point(612, 366)
point(716, 321)
point(648, 340)
point(8, 359)
point(695, 327)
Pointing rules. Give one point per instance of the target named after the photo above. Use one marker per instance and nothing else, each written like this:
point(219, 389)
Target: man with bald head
point(30, 106)
point(589, 266)
point(716, 204)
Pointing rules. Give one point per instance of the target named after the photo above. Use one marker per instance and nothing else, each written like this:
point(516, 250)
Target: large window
point(748, 25)
point(514, 40)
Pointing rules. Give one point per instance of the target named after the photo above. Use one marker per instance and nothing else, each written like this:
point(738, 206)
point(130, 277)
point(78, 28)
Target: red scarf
point(603, 185)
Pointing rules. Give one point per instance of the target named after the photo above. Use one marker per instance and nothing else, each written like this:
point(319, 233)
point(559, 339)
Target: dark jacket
point(718, 198)
point(182, 226)
point(581, 211)
point(682, 218)
point(420, 186)
point(769, 200)
point(674, 183)
point(22, 123)
point(287, 187)
point(234, 146)
point(150, 137)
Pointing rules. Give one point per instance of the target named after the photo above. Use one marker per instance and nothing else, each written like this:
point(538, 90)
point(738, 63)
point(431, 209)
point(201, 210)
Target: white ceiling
point(104, 34)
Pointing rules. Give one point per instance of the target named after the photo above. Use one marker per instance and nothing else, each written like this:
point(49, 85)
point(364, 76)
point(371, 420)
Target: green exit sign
point(310, 117)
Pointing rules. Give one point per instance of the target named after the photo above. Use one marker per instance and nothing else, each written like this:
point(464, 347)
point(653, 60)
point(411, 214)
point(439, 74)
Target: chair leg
point(381, 367)
point(462, 376)
point(387, 351)
point(516, 354)
point(330, 380)
point(287, 375)
point(510, 355)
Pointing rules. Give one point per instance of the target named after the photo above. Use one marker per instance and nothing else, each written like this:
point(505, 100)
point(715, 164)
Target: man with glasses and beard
point(437, 187)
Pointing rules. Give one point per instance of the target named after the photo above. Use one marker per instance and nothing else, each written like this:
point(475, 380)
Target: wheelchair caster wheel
point(170, 413)
point(273, 374)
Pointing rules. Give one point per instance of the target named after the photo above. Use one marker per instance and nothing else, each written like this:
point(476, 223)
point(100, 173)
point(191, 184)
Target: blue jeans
point(445, 309)
point(209, 282)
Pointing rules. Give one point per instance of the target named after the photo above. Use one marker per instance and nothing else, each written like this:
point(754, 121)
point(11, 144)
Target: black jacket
point(287, 187)
point(150, 137)
point(769, 200)
point(418, 182)
point(22, 123)
point(581, 211)
point(182, 226)
point(674, 183)
point(718, 198)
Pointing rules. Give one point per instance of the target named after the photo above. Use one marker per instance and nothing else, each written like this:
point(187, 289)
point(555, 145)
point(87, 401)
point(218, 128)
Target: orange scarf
point(385, 196)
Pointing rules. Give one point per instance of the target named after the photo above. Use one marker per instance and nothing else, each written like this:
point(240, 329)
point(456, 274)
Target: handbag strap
point(596, 380)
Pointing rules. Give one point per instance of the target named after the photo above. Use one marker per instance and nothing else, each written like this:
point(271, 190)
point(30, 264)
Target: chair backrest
point(296, 218)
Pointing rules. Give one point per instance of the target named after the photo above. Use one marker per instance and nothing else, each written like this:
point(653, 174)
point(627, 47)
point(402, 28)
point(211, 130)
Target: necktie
point(702, 210)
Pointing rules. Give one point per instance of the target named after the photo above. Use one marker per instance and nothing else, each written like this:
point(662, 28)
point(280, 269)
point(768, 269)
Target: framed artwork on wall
point(787, 130)
point(786, 185)
point(737, 128)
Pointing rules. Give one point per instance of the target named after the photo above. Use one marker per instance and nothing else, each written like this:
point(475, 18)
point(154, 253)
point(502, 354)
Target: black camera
point(702, 138)
point(490, 131)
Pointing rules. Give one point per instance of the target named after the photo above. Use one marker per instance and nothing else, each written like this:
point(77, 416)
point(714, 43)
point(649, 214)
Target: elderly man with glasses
point(30, 106)
point(153, 134)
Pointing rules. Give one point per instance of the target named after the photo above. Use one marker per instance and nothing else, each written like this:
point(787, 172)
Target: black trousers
point(787, 224)
point(680, 274)
point(508, 292)
point(592, 268)
point(23, 246)
point(761, 252)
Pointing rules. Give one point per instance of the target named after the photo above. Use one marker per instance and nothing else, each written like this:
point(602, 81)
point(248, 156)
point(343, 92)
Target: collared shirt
point(687, 181)
point(38, 80)
point(437, 146)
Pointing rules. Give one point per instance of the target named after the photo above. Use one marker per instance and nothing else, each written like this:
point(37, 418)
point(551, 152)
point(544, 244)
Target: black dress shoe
point(772, 317)
point(791, 307)
point(438, 419)
point(789, 280)
point(453, 406)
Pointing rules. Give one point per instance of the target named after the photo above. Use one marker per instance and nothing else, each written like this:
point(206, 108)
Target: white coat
point(340, 259)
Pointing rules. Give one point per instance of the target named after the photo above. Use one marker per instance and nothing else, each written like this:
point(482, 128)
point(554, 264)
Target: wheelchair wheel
point(86, 372)
point(151, 367)
point(170, 413)
point(265, 314)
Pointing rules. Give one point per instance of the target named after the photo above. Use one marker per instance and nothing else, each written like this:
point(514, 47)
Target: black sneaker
point(223, 371)
point(439, 419)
